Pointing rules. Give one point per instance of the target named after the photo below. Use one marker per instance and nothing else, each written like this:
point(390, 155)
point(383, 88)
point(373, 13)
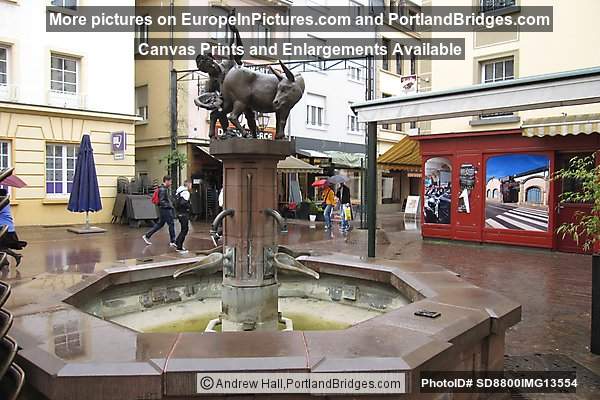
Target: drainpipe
point(371, 186)
point(174, 168)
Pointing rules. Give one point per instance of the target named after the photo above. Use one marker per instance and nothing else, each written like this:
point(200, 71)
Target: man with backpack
point(165, 208)
point(182, 208)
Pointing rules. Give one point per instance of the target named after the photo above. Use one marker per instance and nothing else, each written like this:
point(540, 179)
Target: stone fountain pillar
point(249, 296)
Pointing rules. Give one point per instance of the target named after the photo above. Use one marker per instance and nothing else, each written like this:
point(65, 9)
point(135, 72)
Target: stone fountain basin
point(188, 303)
point(70, 354)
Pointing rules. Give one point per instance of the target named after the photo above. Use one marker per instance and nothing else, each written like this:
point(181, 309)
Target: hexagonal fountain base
point(69, 354)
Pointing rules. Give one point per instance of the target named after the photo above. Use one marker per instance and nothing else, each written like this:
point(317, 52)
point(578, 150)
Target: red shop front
point(496, 187)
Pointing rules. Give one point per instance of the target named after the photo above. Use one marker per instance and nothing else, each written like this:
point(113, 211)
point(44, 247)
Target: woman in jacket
point(328, 203)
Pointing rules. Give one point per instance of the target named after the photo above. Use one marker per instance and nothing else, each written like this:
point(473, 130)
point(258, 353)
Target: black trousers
point(165, 216)
point(10, 240)
point(184, 221)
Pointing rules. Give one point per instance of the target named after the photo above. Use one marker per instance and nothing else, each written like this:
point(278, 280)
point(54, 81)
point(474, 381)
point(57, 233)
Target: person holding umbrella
point(328, 204)
point(9, 241)
point(343, 195)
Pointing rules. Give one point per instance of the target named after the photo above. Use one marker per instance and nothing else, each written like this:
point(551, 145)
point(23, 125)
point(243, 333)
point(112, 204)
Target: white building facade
point(54, 87)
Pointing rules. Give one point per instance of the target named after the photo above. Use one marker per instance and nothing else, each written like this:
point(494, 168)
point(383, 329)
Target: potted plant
point(315, 212)
point(585, 229)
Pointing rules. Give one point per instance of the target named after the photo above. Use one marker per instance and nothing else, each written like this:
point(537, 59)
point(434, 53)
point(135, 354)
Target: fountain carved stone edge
point(468, 336)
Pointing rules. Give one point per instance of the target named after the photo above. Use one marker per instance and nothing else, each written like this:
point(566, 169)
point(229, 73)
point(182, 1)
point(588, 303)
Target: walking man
point(343, 194)
point(165, 216)
point(182, 207)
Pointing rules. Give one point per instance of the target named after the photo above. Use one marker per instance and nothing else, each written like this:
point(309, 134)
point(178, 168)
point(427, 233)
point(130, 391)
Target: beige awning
point(293, 165)
point(562, 126)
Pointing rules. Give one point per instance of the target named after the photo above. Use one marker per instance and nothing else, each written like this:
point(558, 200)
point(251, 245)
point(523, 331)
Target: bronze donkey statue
point(245, 91)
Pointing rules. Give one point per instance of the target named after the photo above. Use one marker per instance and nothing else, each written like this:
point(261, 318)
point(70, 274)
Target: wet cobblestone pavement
point(553, 288)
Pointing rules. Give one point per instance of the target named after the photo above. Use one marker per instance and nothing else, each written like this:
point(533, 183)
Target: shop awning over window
point(562, 126)
point(205, 153)
point(348, 160)
point(311, 153)
point(293, 165)
point(404, 155)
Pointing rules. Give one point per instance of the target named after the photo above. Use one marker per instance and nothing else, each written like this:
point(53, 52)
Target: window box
point(55, 200)
point(66, 100)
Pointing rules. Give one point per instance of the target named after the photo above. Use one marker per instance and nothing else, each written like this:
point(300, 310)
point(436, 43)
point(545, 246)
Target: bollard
point(595, 333)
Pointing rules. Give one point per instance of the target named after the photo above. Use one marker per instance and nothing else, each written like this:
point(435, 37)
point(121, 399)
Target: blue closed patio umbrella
point(85, 193)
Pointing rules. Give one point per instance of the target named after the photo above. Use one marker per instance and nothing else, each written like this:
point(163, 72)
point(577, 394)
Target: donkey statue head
point(289, 89)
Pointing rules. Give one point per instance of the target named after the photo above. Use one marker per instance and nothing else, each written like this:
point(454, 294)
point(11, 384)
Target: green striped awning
point(562, 126)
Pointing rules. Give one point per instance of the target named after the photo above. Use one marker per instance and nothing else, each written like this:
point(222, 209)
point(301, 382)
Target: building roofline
point(24, 107)
point(482, 87)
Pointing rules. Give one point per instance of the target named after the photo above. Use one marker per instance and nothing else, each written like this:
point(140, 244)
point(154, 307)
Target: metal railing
point(493, 5)
point(8, 92)
point(66, 99)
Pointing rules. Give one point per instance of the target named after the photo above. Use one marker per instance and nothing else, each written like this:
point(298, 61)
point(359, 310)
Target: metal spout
point(218, 249)
point(228, 212)
point(293, 253)
point(287, 262)
point(280, 221)
point(213, 260)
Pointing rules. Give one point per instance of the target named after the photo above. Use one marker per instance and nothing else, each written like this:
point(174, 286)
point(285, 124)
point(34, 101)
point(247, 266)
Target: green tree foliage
point(175, 157)
point(586, 174)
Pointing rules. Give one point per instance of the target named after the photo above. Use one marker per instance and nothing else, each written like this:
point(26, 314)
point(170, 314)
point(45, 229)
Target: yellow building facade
point(27, 133)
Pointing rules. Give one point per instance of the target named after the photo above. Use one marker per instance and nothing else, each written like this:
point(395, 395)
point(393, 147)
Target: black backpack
point(180, 202)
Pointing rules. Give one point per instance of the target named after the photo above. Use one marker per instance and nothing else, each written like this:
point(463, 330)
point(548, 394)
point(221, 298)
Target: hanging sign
point(118, 142)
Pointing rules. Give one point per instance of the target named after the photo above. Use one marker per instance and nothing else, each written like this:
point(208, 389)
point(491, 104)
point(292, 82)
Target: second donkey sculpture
point(233, 90)
point(245, 91)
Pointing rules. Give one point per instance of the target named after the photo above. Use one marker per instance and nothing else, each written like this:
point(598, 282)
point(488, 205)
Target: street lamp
point(263, 121)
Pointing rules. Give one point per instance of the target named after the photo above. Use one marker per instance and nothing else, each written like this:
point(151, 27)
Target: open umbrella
point(85, 193)
point(320, 182)
point(14, 181)
point(337, 179)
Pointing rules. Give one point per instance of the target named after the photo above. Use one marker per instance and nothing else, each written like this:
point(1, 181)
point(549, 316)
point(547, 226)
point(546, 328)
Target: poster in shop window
point(438, 191)
point(516, 192)
point(467, 183)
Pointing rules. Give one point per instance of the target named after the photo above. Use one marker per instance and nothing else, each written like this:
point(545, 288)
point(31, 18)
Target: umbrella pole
point(87, 220)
